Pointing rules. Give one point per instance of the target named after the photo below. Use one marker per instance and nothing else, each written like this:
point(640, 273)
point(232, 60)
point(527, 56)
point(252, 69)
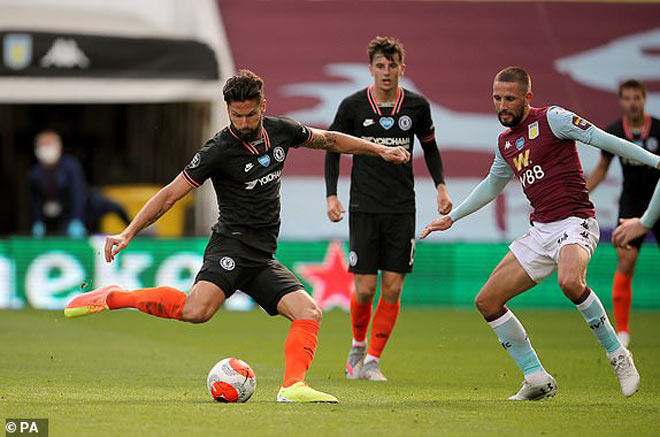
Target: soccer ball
point(231, 380)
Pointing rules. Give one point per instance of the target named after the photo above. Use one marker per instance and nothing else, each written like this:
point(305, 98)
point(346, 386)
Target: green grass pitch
point(127, 373)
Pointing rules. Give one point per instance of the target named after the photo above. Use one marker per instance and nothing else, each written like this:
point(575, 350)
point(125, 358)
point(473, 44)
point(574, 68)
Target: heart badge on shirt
point(386, 122)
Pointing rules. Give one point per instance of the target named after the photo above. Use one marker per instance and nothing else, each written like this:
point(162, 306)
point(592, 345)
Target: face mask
point(48, 154)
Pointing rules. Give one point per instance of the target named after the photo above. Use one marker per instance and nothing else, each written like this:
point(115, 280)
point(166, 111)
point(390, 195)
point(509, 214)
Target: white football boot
point(529, 392)
point(371, 372)
point(354, 362)
point(625, 370)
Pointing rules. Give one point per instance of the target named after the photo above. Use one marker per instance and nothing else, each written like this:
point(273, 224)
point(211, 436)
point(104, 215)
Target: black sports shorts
point(381, 242)
point(632, 206)
point(233, 265)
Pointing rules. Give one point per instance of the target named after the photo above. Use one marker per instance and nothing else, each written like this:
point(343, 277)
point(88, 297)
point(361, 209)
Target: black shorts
point(381, 242)
point(233, 265)
point(631, 206)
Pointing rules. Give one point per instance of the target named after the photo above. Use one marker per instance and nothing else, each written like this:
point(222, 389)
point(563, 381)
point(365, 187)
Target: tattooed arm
point(154, 209)
point(342, 143)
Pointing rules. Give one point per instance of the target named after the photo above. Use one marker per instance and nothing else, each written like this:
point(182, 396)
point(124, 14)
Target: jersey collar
point(374, 103)
point(646, 130)
point(251, 147)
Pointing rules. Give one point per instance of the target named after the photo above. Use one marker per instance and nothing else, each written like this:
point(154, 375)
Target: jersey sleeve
point(611, 129)
point(203, 164)
point(343, 121)
point(566, 125)
point(425, 129)
point(299, 133)
point(500, 168)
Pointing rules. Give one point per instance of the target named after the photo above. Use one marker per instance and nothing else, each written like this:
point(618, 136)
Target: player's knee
point(391, 293)
point(196, 314)
point(311, 311)
point(571, 286)
point(365, 291)
point(486, 304)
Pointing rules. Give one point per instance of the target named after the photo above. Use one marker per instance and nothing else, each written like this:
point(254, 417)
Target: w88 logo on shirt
point(531, 175)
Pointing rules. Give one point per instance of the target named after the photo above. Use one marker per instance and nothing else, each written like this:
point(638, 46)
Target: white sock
point(539, 377)
point(362, 343)
point(369, 358)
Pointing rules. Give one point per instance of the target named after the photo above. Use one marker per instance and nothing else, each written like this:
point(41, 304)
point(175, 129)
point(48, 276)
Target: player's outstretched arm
point(482, 195)
point(155, 207)
point(342, 143)
point(566, 125)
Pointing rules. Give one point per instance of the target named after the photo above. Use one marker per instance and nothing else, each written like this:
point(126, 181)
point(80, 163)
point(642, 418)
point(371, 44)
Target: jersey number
point(531, 175)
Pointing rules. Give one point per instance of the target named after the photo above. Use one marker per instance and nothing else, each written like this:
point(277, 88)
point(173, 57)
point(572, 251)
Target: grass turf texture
point(126, 373)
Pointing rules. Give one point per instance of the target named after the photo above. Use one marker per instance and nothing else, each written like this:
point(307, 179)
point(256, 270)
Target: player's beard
point(248, 135)
point(515, 121)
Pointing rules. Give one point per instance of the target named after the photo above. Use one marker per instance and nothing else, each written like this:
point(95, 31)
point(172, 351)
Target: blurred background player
point(638, 184)
point(539, 149)
point(244, 162)
point(632, 228)
point(60, 201)
point(382, 204)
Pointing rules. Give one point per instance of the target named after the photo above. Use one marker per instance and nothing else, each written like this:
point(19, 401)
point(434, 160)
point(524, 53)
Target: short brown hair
point(634, 84)
point(515, 74)
point(244, 85)
point(386, 46)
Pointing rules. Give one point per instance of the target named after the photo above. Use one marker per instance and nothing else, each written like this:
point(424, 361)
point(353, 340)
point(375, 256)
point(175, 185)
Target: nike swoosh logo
point(248, 167)
point(367, 122)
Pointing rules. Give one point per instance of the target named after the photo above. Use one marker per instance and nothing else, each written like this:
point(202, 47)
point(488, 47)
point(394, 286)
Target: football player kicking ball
point(539, 148)
point(244, 161)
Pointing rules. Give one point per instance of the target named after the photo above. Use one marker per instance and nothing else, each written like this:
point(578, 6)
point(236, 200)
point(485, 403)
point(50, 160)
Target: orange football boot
point(91, 302)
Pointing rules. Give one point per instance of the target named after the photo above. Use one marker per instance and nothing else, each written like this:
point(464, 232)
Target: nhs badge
point(17, 50)
point(386, 122)
point(264, 160)
point(520, 143)
point(533, 130)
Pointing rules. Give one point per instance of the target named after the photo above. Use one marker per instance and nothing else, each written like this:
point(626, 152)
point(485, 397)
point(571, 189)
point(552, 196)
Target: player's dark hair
point(515, 74)
point(634, 84)
point(244, 85)
point(47, 132)
point(386, 46)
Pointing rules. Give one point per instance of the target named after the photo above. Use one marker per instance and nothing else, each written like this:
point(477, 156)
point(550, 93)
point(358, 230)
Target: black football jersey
point(378, 186)
point(639, 180)
point(246, 178)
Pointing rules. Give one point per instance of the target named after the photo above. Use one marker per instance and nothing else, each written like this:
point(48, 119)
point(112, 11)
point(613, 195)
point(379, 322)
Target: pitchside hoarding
point(47, 273)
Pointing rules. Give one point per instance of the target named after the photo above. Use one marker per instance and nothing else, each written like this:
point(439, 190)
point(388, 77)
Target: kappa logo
point(264, 160)
point(65, 53)
point(17, 50)
point(405, 123)
point(278, 154)
point(386, 122)
point(270, 177)
point(248, 167)
point(507, 146)
point(533, 130)
point(368, 122)
point(227, 263)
